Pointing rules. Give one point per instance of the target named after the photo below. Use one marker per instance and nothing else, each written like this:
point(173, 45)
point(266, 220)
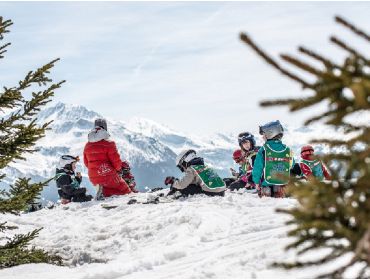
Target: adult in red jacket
point(104, 162)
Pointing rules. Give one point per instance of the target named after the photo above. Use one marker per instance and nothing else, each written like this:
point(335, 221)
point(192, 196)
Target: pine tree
point(18, 134)
point(334, 216)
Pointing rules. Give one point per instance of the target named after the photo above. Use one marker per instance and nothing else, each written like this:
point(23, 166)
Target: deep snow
point(236, 236)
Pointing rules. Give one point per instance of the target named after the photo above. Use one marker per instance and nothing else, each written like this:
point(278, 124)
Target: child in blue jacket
point(273, 162)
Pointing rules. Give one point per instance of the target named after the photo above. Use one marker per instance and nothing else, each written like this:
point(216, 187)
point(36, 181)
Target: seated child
point(68, 182)
point(311, 166)
point(198, 177)
point(243, 177)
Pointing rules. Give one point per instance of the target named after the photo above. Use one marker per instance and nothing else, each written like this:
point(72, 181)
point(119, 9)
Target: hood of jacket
point(277, 145)
point(98, 134)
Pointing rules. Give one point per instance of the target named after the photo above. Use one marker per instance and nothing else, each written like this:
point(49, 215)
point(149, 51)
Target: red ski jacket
point(103, 162)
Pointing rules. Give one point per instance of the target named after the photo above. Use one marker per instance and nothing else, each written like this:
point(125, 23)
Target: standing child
point(311, 166)
point(273, 162)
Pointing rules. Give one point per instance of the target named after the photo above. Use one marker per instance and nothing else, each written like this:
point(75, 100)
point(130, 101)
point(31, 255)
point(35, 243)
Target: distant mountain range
point(150, 148)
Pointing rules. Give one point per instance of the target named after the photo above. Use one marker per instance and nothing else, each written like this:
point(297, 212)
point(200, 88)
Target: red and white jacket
point(103, 161)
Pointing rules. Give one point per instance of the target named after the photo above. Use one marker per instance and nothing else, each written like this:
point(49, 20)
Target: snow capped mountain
point(151, 148)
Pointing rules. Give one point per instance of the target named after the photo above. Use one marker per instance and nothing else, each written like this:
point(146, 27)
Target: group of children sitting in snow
point(265, 170)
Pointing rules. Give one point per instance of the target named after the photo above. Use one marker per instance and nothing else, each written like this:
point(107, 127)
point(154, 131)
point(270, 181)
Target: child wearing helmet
point(68, 183)
point(198, 179)
point(273, 162)
point(242, 177)
point(247, 144)
point(311, 166)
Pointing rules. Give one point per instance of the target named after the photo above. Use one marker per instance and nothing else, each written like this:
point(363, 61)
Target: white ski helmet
point(184, 157)
point(271, 129)
point(67, 160)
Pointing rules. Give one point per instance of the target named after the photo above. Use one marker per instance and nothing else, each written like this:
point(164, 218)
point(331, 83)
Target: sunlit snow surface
point(236, 236)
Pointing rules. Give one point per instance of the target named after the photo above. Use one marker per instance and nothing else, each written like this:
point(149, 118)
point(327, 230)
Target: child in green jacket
point(273, 162)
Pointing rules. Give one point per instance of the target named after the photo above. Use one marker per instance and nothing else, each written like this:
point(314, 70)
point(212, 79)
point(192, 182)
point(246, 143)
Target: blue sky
point(177, 63)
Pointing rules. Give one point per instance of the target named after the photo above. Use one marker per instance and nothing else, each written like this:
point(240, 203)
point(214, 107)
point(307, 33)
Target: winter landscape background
point(177, 64)
point(150, 148)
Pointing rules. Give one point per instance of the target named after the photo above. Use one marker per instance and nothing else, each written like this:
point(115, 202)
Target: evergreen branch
point(15, 252)
point(352, 28)
point(21, 194)
point(329, 64)
point(3, 49)
point(351, 50)
point(20, 143)
point(277, 102)
point(320, 117)
point(3, 227)
point(298, 264)
point(245, 38)
point(20, 240)
point(294, 104)
point(4, 26)
point(302, 65)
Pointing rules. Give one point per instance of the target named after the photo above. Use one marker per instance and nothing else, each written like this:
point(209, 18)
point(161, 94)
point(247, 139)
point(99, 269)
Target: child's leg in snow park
point(237, 185)
point(229, 181)
point(189, 190)
point(279, 191)
point(264, 191)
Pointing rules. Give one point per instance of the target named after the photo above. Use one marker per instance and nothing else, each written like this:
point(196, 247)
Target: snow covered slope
point(236, 236)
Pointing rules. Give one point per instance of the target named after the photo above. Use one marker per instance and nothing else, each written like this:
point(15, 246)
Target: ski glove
point(169, 180)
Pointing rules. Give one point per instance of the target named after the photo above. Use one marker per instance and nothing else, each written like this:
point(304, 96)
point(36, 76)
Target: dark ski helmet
point(183, 159)
point(271, 129)
point(101, 123)
point(246, 136)
point(66, 161)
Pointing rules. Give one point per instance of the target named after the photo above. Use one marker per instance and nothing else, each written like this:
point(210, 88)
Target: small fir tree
point(18, 134)
point(335, 215)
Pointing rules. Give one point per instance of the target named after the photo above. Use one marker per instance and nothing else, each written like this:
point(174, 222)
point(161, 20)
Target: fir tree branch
point(329, 64)
point(4, 27)
point(245, 38)
point(3, 49)
point(302, 65)
point(352, 28)
point(351, 50)
point(3, 227)
point(21, 194)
